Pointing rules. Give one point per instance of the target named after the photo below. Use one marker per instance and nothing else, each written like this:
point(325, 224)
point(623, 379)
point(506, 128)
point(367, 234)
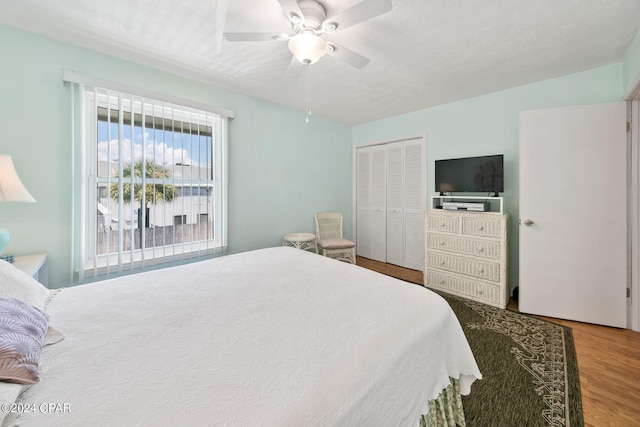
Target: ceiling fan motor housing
point(314, 15)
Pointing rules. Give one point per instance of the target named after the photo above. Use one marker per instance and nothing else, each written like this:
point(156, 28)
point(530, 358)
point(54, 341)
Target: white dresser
point(466, 255)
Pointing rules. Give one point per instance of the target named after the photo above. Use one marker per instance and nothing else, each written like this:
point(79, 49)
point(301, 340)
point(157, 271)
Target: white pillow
point(18, 284)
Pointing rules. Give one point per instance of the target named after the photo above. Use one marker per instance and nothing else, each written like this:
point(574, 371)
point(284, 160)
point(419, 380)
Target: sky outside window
point(162, 146)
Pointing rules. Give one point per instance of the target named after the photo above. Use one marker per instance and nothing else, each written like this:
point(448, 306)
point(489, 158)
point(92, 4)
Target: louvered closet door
point(414, 203)
point(363, 202)
point(391, 200)
point(379, 203)
point(395, 203)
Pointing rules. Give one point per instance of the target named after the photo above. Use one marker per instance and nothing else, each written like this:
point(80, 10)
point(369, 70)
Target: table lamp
point(11, 190)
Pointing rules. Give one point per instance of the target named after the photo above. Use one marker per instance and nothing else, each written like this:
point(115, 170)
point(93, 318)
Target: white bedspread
point(275, 337)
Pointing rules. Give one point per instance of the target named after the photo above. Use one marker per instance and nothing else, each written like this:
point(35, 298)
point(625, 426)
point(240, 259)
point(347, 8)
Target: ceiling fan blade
point(292, 10)
point(348, 56)
point(255, 37)
point(361, 12)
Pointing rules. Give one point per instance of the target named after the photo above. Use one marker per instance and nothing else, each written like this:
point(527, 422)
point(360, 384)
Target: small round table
point(304, 241)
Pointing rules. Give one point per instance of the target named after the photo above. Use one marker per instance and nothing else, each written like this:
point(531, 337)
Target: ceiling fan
point(309, 22)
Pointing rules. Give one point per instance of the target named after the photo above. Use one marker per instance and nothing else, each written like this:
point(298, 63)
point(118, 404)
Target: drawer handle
point(442, 243)
point(441, 262)
point(481, 270)
point(480, 228)
point(480, 249)
point(479, 291)
point(442, 224)
point(442, 281)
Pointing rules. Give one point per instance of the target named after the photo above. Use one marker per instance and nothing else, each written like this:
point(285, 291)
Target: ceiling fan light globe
point(307, 47)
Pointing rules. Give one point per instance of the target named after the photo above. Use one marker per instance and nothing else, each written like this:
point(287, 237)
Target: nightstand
point(35, 266)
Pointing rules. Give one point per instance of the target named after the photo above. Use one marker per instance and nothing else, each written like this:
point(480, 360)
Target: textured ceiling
point(423, 53)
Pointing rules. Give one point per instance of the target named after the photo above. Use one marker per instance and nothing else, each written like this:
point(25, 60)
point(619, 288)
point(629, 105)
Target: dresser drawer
point(477, 291)
point(447, 224)
point(482, 227)
point(480, 248)
point(470, 267)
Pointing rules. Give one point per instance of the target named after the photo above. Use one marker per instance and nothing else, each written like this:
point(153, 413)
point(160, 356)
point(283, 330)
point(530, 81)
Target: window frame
point(94, 264)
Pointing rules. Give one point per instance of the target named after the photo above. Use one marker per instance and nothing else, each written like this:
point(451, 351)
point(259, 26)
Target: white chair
point(329, 238)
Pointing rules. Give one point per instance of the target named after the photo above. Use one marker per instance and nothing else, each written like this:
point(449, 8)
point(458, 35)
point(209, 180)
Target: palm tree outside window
point(145, 194)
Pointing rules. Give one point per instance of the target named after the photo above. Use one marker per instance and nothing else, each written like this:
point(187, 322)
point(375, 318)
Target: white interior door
point(379, 203)
point(395, 203)
point(363, 202)
point(414, 203)
point(573, 195)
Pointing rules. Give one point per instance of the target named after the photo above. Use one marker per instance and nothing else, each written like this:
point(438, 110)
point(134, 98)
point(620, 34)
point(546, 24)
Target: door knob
point(528, 222)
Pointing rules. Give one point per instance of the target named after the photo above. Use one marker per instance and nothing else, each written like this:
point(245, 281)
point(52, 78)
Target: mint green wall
point(278, 164)
point(281, 170)
point(488, 124)
point(631, 65)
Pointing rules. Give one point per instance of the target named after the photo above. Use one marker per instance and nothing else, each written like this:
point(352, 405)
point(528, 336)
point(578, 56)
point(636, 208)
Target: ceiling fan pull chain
point(308, 96)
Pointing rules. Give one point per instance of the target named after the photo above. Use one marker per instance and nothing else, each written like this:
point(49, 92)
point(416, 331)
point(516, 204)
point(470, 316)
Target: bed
point(272, 337)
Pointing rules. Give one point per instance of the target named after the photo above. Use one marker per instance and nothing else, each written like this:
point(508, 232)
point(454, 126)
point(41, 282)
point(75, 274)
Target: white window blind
point(149, 181)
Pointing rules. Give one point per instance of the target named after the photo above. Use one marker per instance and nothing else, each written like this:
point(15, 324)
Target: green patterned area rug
point(529, 368)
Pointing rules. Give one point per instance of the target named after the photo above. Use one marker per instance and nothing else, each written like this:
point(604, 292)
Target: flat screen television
point(470, 175)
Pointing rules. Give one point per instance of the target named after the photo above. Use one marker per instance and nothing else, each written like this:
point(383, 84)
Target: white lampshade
point(307, 47)
point(11, 188)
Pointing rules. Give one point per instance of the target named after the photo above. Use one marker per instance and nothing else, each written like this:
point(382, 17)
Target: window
point(152, 184)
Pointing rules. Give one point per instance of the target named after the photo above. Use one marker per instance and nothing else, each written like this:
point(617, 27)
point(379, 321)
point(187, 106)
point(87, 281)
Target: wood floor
point(608, 362)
